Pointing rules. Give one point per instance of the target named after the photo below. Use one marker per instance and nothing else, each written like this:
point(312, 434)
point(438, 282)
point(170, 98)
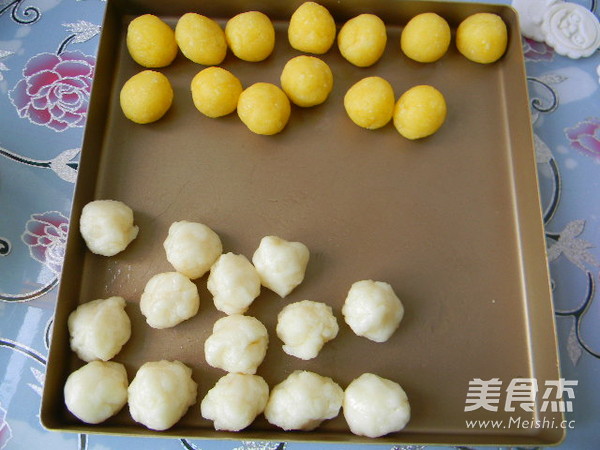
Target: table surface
point(39, 152)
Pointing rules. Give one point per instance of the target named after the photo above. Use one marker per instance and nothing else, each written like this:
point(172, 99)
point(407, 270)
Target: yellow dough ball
point(370, 102)
point(311, 29)
point(362, 40)
point(264, 108)
point(250, 36)
point(307, 80)
point(201, 39)
point(151, 42)
point(425, 38)
point(146, 97)
point(482, 38)
point(215, 91)
point(419, 112)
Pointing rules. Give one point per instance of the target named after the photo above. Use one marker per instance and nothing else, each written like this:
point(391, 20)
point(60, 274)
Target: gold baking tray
point(452, 221)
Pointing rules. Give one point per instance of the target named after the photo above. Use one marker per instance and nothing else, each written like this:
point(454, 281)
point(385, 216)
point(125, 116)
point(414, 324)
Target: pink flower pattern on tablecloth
point(585, 136)
point(537, 51)
point(5, 431)
point(46, 236)
point(55, 90)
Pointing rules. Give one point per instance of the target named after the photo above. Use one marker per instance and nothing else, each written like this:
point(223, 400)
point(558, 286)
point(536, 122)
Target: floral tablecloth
point(47, 60)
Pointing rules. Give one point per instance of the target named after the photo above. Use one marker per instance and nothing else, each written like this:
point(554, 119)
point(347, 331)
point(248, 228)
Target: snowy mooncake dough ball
point(146, 97)
point(215, 91)
point(425, 38)
point(151, 42)
point(107, 226)
point(373, 310)
point(250, 36)
point(264, 108)
point(280, 264)
point(482, 38)
point(307, 80)
point(375, 406)
point(370, 102)
point(235, 401)
point(311, 29)
point(362, 40)
point(161, 393)
point(237, 344)
point(192, 248)
point(304, 327)
point(420, 112)
point(168, 299)
point(234, 283)
point(99, 329)
point(200, 39)
point(303, 400)
point(96, 391)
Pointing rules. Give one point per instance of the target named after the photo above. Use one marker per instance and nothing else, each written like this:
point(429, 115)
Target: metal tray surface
point(452, 222)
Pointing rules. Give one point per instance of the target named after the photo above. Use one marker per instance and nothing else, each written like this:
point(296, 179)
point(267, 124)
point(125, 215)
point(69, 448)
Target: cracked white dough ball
point(235, 401)
point(304, 327)
point(237, 344)
point(280, 264)
point(373, 310)
point(234, 283)
point(168, 299)
point(99, 329)
point(161, 393)
point(107, 226)
point(192, 248)
point(375, 406)
point(303, 400)
point(96, 391)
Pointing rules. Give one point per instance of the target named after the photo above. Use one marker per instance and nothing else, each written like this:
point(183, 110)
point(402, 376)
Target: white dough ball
point(168, 299)
point(161, 393)
point(234, 283)
point(280, 264)
point(304, 327)
point(99, 329)
point(235, 401)
point(96, 391)
point(375, 406)
point(303, 400)
point(107, 226)
point(373, 310)
point(192, 248)
point(237, 344)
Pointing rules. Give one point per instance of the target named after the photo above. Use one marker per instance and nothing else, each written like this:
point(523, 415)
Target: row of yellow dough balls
point(481, 37)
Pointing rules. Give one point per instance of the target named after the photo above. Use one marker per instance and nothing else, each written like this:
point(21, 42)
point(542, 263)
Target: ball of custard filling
point(307, 80)
point(151, 42)
point(482, 38)
point(419, 112)
point(201, 39)
point(425, 38)
point(146, 97)
point(370, 102)
point(215, 91)
point(264, 108)
point(250, 36)
point(362, 40)
point(311, 29)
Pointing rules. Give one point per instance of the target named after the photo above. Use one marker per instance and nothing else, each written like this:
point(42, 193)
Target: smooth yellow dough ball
point(425, 38)
point(215, 91)
point(362, 40)
point(146, 97)
point(370, 102)
point(419, 112)
point(151, 42)
point(482, 38)
point(311, 29)
point(201, 39)
point(264, 108)
point(250, 36)
point(307, 80)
